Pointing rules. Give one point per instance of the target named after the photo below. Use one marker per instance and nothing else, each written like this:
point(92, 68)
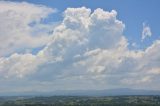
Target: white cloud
point(17, 65)
point(16, 31)
point(146, 32)
point(88, 49)
point(135, 45)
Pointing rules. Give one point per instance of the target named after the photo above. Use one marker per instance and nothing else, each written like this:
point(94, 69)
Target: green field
point(81, 101)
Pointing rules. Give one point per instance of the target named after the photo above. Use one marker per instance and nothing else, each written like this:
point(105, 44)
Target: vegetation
point(81, 101)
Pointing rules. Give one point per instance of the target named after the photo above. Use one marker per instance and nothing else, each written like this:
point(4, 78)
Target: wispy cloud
point(146, 32)
point(16, 31)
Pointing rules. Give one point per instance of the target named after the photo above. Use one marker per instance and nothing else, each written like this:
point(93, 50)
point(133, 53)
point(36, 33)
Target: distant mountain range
point(107, 92)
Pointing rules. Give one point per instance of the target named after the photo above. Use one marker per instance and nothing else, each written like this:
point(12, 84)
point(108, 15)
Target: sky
point(49, 45)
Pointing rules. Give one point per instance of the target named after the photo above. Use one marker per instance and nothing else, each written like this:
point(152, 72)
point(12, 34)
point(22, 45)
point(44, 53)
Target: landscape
point(81, 101)
point(111, 97)
point(79, 53)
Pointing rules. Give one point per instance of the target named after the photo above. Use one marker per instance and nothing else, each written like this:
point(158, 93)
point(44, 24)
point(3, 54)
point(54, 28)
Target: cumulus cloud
point(18, 28)
point(87, 49)
point(146, 32)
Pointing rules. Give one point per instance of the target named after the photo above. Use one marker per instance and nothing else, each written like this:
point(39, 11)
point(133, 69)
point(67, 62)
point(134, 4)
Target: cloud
point(146, 32)
point(18, 28)
point(86, 50)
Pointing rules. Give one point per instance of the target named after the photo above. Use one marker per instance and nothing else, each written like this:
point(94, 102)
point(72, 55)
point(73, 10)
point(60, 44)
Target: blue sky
point(79, 44)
